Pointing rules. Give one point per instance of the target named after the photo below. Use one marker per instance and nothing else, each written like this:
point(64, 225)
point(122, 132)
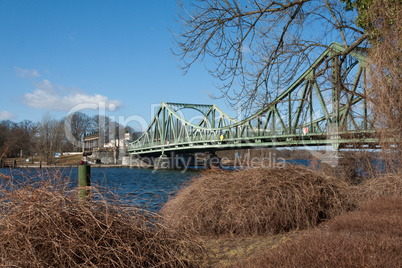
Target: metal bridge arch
point(210, 112)
point(324, 106)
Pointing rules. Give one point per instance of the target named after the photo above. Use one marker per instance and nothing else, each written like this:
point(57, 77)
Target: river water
point(144, 187)
point(147, 188)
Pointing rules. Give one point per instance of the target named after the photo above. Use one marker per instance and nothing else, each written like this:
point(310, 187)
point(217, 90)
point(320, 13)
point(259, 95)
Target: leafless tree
point(77, 125)
point(255, 48)
point(17, 139)
point(101, 125)
point(50, 137)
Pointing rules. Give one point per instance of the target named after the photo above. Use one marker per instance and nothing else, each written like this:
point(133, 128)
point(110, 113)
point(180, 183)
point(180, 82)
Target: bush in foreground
point(256, 201)
point(42, 224)
point(389, 184)
point(367, 237)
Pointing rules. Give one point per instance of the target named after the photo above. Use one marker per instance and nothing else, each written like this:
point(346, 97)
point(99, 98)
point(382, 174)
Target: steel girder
point(326, 105)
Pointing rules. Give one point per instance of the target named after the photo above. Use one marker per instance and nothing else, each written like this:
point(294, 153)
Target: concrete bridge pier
point(213, 161)
point(142, 162)
point(162, 162)
point(174, 161)
point(338, 165)
point(171, 161)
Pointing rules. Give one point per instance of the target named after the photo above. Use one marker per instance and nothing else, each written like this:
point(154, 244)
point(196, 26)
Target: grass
point(227, 251)
point(368, 237)
point(64, 160)
point(384, 185)
point(43, 224)
point(69, 159)
point(354, 234)
point(292, 217)
point(256, 201)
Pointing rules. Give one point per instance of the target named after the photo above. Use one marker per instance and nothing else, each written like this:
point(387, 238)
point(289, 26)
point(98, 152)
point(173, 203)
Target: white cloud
point(26, 73)
point(55, 97)
point(245, 49)
point(5, 115)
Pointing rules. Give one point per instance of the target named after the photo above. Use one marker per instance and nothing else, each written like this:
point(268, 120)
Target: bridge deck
point(330, 109)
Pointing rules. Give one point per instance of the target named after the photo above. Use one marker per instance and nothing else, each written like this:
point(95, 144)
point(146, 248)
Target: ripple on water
point(144, 187)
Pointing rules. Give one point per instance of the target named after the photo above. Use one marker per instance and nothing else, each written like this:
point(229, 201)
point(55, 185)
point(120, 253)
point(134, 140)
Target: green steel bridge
point(325, 106)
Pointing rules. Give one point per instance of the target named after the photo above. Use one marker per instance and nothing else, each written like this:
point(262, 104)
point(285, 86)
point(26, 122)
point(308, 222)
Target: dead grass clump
point(256, 201)
point(42, 224)
point(384, 82)
point(368, 237)
point(385, 185)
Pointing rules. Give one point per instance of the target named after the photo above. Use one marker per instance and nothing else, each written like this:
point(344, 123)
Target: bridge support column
point(141, 162)
point(162, 162)
point(339, 166)
point(213, 161)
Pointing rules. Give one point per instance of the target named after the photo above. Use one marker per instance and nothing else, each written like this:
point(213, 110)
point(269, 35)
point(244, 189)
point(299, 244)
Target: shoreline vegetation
point(292, 216)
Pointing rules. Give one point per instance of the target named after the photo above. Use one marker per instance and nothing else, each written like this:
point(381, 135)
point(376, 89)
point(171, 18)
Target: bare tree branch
point(255, 48)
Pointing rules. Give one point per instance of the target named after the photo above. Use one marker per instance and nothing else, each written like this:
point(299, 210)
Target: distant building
point(120, 143)
point(91, 141)
point(108, 153)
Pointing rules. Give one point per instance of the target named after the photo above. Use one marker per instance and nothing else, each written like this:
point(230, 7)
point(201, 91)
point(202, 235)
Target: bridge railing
point(316, 109)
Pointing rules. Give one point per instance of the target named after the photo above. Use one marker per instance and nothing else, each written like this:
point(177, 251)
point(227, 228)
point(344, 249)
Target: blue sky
point(57, 54)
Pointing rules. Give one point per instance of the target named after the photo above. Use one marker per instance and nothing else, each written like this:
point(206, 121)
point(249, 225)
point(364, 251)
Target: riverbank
point(366, 237)
point(292, 217)
point(279, 228)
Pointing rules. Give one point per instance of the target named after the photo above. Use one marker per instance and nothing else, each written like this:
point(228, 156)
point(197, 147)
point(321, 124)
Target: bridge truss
point(326, 105)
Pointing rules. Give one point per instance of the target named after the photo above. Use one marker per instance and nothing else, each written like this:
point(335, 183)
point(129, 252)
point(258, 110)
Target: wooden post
point(84, 180)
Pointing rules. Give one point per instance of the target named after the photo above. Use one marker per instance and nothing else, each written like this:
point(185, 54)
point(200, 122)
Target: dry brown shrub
point(385, 185)
point(385, 67)
point(345, 170)
point(42, 224)
point(256, 201)
point(368, 237)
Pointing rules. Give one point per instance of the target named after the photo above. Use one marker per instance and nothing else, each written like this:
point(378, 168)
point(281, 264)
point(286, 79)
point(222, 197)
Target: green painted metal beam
point(169, 132)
